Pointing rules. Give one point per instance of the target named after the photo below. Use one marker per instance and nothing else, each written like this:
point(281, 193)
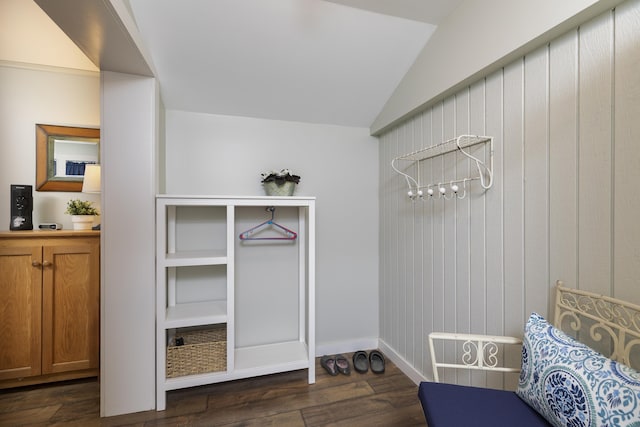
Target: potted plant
point(281, 183)
point(82, 213)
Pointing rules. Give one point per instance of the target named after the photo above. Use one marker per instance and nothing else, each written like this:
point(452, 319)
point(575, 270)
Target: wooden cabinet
point(49, 306)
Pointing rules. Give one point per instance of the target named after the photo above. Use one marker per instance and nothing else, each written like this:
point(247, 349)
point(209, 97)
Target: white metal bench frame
point(480, 352)
point(609, 318)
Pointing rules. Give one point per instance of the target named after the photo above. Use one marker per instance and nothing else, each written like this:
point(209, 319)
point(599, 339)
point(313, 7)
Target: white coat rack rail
point(452, 188)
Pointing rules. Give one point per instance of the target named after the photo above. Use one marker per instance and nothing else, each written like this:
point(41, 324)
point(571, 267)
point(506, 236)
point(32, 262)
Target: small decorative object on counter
point(82, 213)
point(281, 183)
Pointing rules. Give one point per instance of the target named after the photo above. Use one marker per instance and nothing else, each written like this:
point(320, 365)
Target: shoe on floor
point(329, 364)
point(376, 360)
point(343, 365)
point(361, 362)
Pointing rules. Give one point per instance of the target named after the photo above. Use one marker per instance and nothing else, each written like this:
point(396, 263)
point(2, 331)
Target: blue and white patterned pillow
point(572, 385)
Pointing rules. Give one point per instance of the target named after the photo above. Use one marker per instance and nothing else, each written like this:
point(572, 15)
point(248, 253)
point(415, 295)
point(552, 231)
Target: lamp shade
point(91, 182)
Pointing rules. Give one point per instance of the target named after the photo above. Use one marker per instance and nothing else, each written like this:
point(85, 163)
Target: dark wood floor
point(388, 399)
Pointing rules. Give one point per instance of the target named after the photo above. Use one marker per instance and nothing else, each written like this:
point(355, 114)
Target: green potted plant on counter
point(82, 213)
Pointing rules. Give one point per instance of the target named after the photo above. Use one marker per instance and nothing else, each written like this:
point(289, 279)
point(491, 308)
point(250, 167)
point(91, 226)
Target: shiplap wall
point(564, 205)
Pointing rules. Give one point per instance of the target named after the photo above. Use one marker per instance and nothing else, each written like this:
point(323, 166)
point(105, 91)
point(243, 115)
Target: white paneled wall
point(564, 205)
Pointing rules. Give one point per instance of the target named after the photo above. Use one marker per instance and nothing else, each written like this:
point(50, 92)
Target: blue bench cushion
point(449, 405)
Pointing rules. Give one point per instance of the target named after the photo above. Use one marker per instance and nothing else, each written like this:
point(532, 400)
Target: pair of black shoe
point(335, 364)
point(362, 362)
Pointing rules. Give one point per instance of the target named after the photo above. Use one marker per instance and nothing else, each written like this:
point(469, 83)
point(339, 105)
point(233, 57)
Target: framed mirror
point(61, 155)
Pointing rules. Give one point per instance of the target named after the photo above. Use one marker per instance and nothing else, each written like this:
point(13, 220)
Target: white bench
point(610, 325)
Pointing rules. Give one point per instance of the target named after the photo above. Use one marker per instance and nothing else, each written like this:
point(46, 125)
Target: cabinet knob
point(46, 263)
point(36, 263)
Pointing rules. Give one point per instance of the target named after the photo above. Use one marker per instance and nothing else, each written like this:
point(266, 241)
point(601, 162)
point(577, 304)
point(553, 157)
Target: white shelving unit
point(197, 238)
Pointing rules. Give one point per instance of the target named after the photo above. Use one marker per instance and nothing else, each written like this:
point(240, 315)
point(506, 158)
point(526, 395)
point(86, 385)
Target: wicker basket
point(204, 350)
point(271, 188)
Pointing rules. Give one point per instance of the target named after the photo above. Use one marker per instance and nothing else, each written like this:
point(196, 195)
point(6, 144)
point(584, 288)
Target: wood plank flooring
point(389, 399)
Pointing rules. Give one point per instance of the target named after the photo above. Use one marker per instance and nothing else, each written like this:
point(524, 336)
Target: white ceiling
point(299, 60)
point(430, 11)
point(29, 36)
point(316, 61)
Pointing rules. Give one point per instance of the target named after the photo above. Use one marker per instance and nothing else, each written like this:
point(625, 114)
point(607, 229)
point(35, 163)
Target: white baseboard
point(350, 346)
point(402, 364)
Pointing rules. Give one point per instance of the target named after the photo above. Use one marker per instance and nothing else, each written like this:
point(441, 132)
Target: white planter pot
point(82, 222)
point(273, 189)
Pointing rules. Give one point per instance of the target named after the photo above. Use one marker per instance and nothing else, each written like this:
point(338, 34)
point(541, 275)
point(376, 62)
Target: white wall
point(564, 204)
point(210, 154)
point(47, 96)
point(129, 117)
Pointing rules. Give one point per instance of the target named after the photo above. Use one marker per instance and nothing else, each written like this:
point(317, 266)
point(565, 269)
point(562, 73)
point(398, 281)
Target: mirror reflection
point(69, 156)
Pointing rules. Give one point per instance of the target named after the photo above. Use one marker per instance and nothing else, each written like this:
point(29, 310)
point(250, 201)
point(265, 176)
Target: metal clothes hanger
point(288, 234)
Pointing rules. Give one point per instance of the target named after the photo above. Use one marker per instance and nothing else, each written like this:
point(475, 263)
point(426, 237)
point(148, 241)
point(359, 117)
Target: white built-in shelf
point(196, 314)
point(195, 380)
point(176, 281)
point(194, 258)
point(251, 362)
point(287, 355)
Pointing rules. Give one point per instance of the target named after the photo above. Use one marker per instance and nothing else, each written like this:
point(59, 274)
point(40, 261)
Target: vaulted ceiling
point(317, 61)
point(29, 36)
point(300, 60)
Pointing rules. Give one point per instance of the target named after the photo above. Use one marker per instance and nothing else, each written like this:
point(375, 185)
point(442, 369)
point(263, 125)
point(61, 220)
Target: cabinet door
point(70, 309)
point(20, 311)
